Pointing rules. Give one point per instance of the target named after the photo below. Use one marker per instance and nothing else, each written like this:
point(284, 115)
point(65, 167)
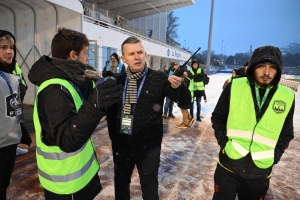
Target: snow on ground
point(188, 160)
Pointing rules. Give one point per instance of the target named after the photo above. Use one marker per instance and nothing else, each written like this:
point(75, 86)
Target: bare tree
point(172, 24)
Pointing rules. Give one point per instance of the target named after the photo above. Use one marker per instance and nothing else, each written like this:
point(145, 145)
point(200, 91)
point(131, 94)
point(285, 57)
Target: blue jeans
point(198, 101)
point(168, 106)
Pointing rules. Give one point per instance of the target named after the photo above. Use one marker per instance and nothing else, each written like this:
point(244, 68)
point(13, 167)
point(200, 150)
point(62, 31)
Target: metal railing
point(122, 30)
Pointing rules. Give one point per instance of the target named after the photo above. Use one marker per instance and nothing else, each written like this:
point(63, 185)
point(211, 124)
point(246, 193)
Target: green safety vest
point(19, 73)
point(245, 134)
point(194, 86)
point(61, 172)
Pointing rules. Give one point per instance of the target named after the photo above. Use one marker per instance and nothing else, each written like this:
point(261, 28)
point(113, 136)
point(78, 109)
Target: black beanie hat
point(172, 64)
point(195, 61)
point(116, 56)
point(266, 54)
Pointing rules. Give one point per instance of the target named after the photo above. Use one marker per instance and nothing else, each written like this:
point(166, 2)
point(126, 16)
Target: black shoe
point(199, 119)
point(164, 117)
point(171, 115)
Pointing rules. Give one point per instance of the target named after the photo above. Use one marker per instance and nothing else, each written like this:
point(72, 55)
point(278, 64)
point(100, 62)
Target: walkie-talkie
point(180, 69)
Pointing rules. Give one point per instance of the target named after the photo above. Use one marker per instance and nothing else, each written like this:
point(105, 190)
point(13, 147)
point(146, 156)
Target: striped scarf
point(131, 90)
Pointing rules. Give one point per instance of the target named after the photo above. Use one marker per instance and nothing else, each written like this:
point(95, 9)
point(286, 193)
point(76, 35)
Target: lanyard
point(261, 103)
point(8, 84)
point(77, 89)
point(139, 91)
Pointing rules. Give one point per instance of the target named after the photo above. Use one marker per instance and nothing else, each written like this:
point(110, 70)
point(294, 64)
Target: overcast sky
point(240, 23)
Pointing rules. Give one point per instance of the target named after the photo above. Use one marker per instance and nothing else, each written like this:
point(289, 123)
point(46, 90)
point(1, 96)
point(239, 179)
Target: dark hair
point(116, 56)
point(67, 40)
point(7, 38)
point(130, 40)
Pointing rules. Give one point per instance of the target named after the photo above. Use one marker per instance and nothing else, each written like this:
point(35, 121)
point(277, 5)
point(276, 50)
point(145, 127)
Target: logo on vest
point(10, 105)
point(279, 106)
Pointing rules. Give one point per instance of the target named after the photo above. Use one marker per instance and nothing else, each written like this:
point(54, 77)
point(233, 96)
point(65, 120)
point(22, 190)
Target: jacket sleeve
point(113, 115)
point(181, 95)
point(220, 115)
point(61, 124)
point(195, 76)
point(190, 76)
point(104, 71)
point(286, 135)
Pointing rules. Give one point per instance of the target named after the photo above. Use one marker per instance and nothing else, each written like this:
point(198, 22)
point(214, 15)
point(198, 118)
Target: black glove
point(25, 139)
point(106, 94)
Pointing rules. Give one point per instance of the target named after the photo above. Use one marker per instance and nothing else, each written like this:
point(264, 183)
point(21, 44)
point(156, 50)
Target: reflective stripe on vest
point(245, 134)
point(61, 172)
point(19, 73)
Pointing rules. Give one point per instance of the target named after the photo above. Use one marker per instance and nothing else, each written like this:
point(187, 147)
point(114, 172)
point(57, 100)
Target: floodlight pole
point(210, 36)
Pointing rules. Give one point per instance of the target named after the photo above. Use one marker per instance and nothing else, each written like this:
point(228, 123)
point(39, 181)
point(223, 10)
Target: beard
point(114, 64)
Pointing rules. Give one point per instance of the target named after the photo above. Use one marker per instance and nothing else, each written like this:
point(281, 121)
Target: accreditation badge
point(126, 124)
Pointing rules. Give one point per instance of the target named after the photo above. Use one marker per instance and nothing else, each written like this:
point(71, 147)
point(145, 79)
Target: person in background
point(253, 124)
point(168, 107)
point(19, 73)
point(205, 82)
point(67, 109)
point(84, 9)
point(195, 75)
point(113, 69)
point(135, 124)
point(187, 118)
point(233, 75)
point(13, 90)
point(241, 72)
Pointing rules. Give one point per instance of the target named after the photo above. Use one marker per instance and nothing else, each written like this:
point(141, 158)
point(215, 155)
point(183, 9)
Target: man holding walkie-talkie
point(135, 123)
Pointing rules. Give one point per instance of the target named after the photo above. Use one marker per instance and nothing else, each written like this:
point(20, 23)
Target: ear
point(72, 55)
point(123, 59)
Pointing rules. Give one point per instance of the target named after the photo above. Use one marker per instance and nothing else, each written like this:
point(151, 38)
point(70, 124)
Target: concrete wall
point(34, 23)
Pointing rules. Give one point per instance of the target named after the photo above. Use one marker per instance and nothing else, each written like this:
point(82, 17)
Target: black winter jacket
point(61, 124)
point(56, 108)
point(245, 167)
point(148, 124)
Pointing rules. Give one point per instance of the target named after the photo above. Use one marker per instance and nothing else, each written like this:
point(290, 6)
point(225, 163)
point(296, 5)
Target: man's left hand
point(175, 81)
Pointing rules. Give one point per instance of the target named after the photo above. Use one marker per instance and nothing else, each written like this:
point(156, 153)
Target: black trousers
point(228, 184)
point(146, 159)
point(7, 159)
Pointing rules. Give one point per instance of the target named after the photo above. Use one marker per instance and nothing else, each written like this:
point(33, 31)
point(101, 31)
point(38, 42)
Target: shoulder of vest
point(57, 81)
point(286, 90)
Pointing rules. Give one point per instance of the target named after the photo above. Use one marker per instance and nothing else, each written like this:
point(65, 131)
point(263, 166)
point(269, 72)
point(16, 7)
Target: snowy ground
point(188, 160)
